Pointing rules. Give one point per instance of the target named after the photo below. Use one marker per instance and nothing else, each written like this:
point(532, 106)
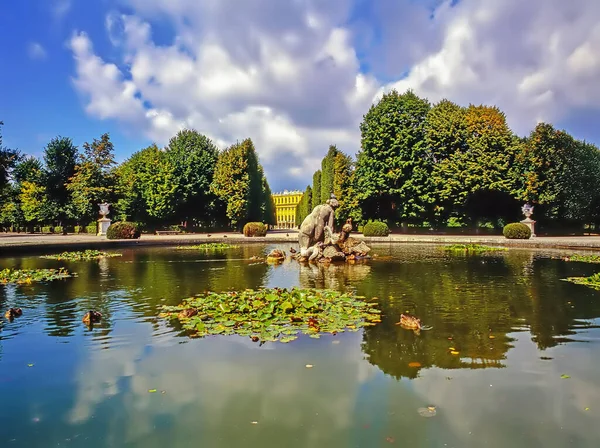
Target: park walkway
point(18, 243)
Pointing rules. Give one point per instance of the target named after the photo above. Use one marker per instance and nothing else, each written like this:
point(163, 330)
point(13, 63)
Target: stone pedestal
point(103, 224)
point(531, 224)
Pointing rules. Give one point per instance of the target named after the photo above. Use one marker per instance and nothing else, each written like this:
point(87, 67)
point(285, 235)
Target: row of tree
point(189, 182)
point(442, 164)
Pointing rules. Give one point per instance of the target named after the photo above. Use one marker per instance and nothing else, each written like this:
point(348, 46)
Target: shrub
point(516, 231)
point(58, 229)
point(91, 228)
point(255, 229)
point(376, 228)
point(123, 231)
point(46, 229)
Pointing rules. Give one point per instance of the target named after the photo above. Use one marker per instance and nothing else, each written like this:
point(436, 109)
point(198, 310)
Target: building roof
point(287, 192)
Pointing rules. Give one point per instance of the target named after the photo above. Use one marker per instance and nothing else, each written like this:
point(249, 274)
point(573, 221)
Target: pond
point(512, 358)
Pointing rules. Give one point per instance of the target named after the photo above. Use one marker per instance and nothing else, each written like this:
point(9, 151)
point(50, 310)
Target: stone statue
point(312, 230)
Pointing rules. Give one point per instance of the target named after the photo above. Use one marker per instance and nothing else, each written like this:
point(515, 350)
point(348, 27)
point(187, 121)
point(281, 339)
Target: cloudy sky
point(294, 75)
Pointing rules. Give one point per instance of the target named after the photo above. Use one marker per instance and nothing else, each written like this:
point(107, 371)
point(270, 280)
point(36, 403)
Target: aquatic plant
point(583, 258)
point(89, 254)
point(593, 281)
point(28, 276)
point(472, 248)
point(270, 315)
point(208, 246)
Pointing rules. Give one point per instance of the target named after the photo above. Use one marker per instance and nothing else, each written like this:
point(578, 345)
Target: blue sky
point(295, 76)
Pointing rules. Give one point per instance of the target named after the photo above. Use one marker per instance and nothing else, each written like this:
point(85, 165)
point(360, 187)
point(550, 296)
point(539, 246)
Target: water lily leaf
point(564, 376)
point(151, 391)
point(30, 365)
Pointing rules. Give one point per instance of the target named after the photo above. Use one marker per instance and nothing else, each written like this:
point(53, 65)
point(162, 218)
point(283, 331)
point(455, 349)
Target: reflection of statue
point(312, 230)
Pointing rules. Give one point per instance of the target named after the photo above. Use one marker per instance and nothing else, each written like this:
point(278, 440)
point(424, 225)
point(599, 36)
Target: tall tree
point(194, 158)
point(316, 189)
point(392, 166)
point(327, 173)
point(303, 209)
point(238, 182)
point(269, 211)
point(8, 160)
point(93, 181)
point(35, 203)
point(60, 159)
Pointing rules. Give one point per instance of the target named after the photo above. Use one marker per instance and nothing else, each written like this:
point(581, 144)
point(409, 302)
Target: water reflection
point(501, 313)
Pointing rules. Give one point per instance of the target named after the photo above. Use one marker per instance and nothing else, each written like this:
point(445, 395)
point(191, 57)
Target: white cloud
point(287, 74)
point(36, 51)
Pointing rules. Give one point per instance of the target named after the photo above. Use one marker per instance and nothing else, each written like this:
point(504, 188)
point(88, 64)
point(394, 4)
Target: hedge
point(255, 229)
point(516, 231)
point(123, 231)
point(376, 228)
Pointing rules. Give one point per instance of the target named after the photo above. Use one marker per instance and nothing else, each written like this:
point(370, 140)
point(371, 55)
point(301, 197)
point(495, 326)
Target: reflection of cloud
point(217, 383)
point(526, 404)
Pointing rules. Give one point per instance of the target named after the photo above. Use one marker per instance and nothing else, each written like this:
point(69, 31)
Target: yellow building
point(285, 208)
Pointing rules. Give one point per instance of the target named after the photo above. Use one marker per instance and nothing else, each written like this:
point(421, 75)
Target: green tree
point(8, 160)
point(147, 187)
point(194, 158)
point(269, 215)
point(392, 168)
point(471, 172)
point(304, 207)
point(316, 189)
point(60, 159)
point(327, 173)
point(35, 203)
point(93, 181)
point(238, 183)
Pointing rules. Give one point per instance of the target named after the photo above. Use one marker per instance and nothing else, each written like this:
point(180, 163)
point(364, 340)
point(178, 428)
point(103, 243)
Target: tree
point(327, 173)
point(8, 160)
point(60, 158)
point(28, 169)
point(316, 190)
point(147, 187)
point(194, 158)
point(269, 215)
point(304, 206)
point(471, 176)
point(392, 167)
point(343, 188)
point(238, 182)
point(35, 203)
point(93, 181)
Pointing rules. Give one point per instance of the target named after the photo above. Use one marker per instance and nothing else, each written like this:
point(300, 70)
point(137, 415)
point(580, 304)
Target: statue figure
point(312, 230)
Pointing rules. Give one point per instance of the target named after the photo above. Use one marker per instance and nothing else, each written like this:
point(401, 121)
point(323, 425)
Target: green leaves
point(208, 246)
point(28, 276)
point(89, 254)
point(274, 314)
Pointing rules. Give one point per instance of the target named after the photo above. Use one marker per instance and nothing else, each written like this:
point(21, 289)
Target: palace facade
point(286, 203)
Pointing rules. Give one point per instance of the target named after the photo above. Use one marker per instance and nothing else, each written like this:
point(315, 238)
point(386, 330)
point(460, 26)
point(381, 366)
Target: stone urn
point(104, 222)
point(527, 210)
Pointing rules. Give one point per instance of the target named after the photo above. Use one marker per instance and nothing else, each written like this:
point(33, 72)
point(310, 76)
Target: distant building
point(285, 208)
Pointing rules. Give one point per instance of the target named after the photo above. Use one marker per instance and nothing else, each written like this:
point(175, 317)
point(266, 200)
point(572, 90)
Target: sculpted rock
point(312, 229)
point(333, 254)
point(276, 254)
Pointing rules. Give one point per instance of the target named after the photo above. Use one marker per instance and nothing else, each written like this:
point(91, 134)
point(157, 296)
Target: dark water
point(91, 388)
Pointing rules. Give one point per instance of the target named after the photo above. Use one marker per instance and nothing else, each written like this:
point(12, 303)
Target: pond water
point(136, 381)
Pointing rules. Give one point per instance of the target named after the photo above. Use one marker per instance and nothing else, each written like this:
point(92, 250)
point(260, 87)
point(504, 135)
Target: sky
point(294, 75)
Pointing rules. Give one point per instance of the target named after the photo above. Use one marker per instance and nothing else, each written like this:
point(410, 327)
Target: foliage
point(392, 169)
point(268, 206)
point(472, 248)
point(327, 173)
point(35, 203)
point(375, 228)
point(316, 190)
point(193, 157)
point(303, 209)
point(208, 246)
point(583, 258)
point(60, 159)
point(94, 180)
point(27, 276)
point(123, 231)
point(516, 231)
point(255, 229)
point(89, 254)
point(238, 182)
point(8, 160)
point(593, 281)
point(270, 315)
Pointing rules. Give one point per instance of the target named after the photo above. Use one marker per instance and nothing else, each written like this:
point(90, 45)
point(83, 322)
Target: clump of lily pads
point(583, 258)
point(28, 276)
point(270, 315)
point(89, 254)
point(472, 248)
point(208, 246)
point(592, 281)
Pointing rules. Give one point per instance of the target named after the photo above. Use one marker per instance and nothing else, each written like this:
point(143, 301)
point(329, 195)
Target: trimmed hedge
point(376, 228)
point(516, 231)
point(123, 231)
point(255, 229)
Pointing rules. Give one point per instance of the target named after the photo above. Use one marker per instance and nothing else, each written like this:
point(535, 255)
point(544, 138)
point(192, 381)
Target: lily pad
point(592, 281)
point(28, 276)
point(207, 246)
point(274, 314)
point(82, 255)
point(472, 248)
